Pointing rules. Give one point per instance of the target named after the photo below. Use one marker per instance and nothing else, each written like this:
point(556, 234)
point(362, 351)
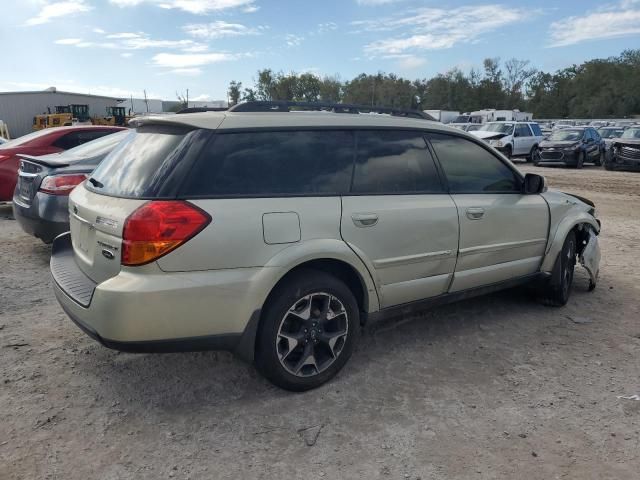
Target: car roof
point(242, 120)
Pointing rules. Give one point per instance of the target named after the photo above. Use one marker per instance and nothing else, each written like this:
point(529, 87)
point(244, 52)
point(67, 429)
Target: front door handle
point(475, 213)
point(364, 219)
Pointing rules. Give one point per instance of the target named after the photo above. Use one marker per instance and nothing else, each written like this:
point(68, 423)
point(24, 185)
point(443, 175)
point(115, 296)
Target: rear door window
point(268, 163)
point(471, 168)
point(394, 162)
point(536, 129)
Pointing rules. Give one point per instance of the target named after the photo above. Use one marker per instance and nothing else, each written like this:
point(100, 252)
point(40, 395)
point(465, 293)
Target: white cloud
point(219, 29)
point(376, 2)
point(123, 35)
point(438, 28)
point(126, 55)
point(98, 31)
point(198, 7)
point(407, 62)
point(58, 9)
point(183, 61)
point(69, 41)
point(293, 40)
point(327, 27)
point(189, 72)
point(621, 20)
point(201, 98)
point(135, 41)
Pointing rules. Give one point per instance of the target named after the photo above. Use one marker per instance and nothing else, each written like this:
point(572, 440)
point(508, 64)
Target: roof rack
point(285, 106)
point(201, 109)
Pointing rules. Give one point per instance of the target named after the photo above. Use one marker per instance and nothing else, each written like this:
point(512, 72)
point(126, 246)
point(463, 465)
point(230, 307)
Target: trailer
point(443, 116)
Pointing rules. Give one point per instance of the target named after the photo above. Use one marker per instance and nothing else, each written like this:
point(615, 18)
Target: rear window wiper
point(96, 183)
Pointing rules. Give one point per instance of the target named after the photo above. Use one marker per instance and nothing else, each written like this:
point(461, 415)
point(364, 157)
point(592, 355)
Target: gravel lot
point(494, 387)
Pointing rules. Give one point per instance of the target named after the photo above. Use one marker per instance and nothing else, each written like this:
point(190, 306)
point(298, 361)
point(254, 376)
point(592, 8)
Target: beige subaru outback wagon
point(278, 234)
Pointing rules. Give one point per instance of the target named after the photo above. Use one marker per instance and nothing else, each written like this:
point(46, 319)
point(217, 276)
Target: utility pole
point(187, 98)
point(146, 102)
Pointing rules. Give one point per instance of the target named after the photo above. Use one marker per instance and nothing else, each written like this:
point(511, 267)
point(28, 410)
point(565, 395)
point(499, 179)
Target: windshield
point(26, 138)
point(631, 133)
point(462, 119)
point(567, 135)
point(506, 128)
point(474, 126)
point(98, 146)
point(610, 132)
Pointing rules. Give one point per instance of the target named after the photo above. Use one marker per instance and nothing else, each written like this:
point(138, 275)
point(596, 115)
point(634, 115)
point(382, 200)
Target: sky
point(122, 47)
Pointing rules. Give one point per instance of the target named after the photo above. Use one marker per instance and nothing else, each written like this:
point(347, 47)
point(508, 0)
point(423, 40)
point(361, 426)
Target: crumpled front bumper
point(590, 258)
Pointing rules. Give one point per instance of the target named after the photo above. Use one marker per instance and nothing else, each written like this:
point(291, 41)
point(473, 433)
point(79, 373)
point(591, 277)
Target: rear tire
point(580, 161)
point(308, 331)
point(508, 151)
point(558, 290)
point(608, 164)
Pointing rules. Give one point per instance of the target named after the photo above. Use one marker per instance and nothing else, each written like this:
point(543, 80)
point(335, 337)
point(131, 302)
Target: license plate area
point(25, 188)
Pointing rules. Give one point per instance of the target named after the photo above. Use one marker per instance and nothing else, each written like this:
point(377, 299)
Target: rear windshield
point(136, 167)
point(98, 146)
point(632, 133)
point(567, 135)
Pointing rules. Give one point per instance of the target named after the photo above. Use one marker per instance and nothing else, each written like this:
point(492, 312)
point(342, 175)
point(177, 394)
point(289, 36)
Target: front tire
point(580, 161)
point(601, 158)
point(308, 331)
point(534, 155)
point(557, 292)
point(508, 151)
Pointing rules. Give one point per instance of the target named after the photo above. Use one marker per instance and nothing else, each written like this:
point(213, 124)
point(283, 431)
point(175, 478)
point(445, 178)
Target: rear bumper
point(160, 312)
point(46, 217)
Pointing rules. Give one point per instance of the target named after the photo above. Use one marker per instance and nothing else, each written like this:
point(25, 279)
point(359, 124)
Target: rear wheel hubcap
point(312, 334)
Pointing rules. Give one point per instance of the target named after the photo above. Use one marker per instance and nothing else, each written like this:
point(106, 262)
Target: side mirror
point(534, 184)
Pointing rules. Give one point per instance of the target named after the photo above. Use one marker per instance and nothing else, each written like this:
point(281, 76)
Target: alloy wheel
point(312, 333)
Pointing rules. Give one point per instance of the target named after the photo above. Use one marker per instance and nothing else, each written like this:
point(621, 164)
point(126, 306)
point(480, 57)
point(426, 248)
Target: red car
point(42, 142)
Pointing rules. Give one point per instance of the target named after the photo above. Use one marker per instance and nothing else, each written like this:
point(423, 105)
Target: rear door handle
point(475, 213)
point(364, 219)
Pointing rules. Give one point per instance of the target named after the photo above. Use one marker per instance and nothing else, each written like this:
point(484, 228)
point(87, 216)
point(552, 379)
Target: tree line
point(598, 88)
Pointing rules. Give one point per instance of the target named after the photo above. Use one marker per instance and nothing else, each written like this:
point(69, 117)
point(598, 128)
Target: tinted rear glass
point(273, 163)
point(137, 165)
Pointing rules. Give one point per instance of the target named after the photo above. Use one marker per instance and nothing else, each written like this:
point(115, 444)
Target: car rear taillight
point(158, 227)
point(61, 184)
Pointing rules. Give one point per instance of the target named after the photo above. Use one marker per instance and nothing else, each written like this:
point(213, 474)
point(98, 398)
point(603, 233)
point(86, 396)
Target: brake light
point(61, 184)
point(158, 227)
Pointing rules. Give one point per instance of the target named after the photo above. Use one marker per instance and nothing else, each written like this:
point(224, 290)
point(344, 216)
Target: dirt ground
point(494, 387)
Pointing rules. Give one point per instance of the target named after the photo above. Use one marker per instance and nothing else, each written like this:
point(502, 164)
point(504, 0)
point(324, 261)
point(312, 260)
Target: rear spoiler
point(42, 161)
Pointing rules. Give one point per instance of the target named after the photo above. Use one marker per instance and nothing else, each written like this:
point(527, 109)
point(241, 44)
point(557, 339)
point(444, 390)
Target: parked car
point(42, 142)
point(625, 151)
point(572, 147)
point(40, 200)
point(513, 139)
point(608, 134)
point(277, 235)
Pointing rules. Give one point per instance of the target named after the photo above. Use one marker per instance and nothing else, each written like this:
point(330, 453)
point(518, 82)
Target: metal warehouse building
point(17, 109)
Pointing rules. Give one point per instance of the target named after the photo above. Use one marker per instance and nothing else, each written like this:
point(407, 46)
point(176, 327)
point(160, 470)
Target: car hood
point(626, 141)
point(557, 143)
point(485, 135)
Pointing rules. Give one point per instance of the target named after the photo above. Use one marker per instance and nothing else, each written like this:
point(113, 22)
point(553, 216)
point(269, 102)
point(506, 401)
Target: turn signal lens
point(158, 227)
point(61, 184)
